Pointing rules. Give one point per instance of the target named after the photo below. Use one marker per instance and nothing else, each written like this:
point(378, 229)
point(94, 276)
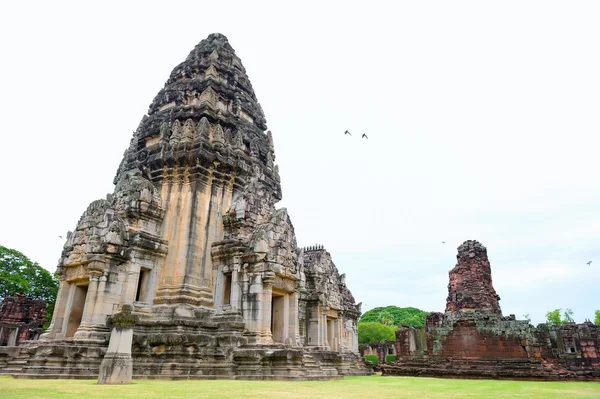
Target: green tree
point(527, 317)
point(411, 316)
point(19, 275)
point(386, 318)
point(597, 320)
point(553, 317)
point(369, 332)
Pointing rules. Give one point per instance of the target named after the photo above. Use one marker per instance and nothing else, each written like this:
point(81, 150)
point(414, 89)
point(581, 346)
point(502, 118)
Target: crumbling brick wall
point(21, 319)
point(466, 340)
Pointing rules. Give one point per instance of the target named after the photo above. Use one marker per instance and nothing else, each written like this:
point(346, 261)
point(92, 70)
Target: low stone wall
point(502, 349)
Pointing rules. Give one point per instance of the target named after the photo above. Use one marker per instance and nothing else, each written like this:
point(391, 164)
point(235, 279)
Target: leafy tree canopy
point(597, 320)
point(19, 275)
point(554, 318)
point(394, 315)
point(371, 331)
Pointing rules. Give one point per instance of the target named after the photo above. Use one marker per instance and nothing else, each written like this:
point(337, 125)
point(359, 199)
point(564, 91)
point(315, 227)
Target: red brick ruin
point(473, 340)
point(21, 319)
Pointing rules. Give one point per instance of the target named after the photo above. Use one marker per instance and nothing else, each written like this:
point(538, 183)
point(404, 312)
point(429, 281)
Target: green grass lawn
point(374, 387)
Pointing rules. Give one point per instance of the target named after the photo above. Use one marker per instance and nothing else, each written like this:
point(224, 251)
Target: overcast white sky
point(482, 117)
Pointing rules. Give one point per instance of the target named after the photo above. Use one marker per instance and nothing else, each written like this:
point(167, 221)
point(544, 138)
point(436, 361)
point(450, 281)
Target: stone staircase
point(310, 366)
point(7, 355)
point(14, 364)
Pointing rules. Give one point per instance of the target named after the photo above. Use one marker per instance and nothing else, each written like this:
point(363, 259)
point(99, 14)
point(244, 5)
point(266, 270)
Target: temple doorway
point(278, 317)
point(143, 288)
point(331, 332)
point(76, 312)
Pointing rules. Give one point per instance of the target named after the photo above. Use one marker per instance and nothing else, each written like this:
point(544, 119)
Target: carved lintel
point(268, 278)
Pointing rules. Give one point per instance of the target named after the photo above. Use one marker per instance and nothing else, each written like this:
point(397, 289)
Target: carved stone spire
point(206, 96)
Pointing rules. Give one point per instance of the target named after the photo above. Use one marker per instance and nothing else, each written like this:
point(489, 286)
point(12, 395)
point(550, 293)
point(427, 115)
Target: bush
point(390, 359)
point(394, 315)
point(373, 359)
point(370, 332)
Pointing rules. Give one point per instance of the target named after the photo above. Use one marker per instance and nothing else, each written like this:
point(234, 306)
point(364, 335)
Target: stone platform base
point(61, 359)
point(510, 369)
point(73, 360)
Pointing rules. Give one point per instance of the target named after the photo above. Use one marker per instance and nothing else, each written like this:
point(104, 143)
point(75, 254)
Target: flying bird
point(443, 242)
point(589, 263)
point(365, 136)
point(347, 132)
point(60, 237)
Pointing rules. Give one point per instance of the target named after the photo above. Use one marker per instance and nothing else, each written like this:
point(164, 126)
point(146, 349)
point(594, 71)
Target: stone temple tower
point(191, 242)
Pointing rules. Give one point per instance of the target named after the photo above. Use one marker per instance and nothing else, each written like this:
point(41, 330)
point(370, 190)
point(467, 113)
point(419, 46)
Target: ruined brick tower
point(472, 339)
point(191, 243)
point(470, 288)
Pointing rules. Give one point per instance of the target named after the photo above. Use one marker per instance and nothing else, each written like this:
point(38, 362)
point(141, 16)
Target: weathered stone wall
point(21, 319)
point(411, 340)
point(478, 339)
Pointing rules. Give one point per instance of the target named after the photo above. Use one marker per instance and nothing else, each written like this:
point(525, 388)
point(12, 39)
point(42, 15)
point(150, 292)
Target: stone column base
point(117, 365)
point(116, 369)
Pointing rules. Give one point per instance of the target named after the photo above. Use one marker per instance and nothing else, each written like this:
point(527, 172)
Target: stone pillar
point(252, 288)
point(100, 310)
point(293, 326)
point(324, 332)
point(117, 365)
point(346, 336)
point(286, 319)
point(67, 312)
point(354, 338)
point(266, 298)
point(59, 311)
point(236, 294)
point(315, 332)
point(90, 302)
point(336, 335)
